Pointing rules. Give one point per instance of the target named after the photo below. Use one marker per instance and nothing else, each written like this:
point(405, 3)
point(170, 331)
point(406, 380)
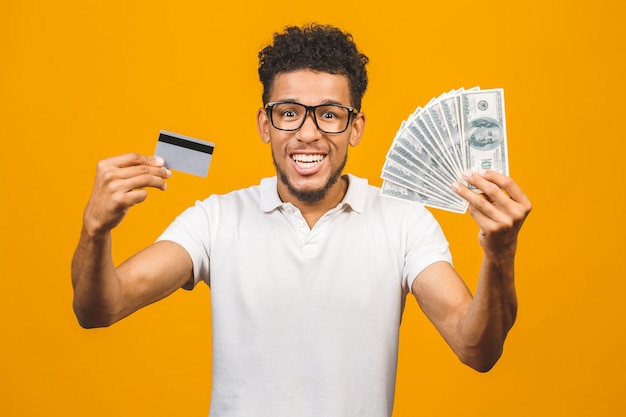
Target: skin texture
point(104, 294)
point(475, 326)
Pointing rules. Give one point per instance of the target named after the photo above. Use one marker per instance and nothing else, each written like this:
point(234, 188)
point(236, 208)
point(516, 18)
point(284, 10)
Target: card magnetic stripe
point(184, 143)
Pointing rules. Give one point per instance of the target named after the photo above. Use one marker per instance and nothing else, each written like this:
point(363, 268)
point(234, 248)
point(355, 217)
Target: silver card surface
point(184, 153)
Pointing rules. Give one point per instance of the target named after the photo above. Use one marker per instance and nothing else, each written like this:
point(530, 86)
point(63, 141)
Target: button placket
point(295, 218)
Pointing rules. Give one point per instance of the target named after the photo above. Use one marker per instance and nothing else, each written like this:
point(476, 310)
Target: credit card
point(184, 153)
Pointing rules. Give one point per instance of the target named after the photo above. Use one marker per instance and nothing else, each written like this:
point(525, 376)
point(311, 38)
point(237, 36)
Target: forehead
point(311, 87)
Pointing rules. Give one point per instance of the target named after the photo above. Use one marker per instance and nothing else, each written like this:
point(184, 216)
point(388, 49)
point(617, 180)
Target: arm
point(104, 294)
point(476, 326)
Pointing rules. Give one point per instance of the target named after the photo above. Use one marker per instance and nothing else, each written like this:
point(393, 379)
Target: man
point(310, 269)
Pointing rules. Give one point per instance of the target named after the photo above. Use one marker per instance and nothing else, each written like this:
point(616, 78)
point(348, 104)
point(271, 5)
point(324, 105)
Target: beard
point(311, 196)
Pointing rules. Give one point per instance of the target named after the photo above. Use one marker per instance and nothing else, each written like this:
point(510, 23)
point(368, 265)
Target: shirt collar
point(354, 198)
point(269, 194)
point(356, 193)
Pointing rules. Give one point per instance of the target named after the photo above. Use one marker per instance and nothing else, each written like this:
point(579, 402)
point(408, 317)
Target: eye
point(329, 112)
point(328, 115)
point(288, 111)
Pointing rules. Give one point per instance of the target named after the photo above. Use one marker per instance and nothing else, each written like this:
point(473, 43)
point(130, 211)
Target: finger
point(478, 202)
point(133, 197)
point(133, 158)
point(507, 184)
point(109, 175)
point(142, 170)
point(140, 181)
point(499, 205)
point(491, 191)
point(110, 169)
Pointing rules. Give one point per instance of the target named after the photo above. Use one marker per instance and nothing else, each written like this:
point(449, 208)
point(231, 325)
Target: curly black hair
point(316, 47)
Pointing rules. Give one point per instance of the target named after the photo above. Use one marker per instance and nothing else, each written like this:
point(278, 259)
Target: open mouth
point(307, 160)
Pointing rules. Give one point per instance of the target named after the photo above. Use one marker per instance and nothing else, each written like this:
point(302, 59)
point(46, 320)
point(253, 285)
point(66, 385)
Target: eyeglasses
point(329, 118)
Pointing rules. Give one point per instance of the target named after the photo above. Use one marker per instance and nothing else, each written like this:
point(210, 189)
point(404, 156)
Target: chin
point(307, 195)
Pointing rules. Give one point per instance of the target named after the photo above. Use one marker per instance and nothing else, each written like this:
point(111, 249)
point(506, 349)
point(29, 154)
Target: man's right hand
point(119, 185)
point(103, 293)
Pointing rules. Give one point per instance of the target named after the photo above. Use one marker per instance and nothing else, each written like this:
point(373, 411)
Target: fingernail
point(455, 185)
point(482, 172)
point(159, 160)
point(467, 173)
point(168, 172)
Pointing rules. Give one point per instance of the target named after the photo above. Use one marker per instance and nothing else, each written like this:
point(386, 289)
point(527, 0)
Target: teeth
point(307, 159)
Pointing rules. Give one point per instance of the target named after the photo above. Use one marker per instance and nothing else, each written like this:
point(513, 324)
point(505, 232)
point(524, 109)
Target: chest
point(273, 263)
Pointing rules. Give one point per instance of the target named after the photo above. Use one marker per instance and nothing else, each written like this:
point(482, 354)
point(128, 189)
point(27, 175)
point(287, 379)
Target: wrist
point(94, 230)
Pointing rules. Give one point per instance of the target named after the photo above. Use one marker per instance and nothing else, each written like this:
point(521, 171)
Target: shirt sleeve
point(425, 244)
point(192, 230)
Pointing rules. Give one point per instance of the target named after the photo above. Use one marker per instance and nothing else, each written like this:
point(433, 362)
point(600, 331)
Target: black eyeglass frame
point(351, 110)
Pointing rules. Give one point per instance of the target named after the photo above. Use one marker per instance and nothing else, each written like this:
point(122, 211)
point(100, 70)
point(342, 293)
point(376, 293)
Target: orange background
point(83, 80)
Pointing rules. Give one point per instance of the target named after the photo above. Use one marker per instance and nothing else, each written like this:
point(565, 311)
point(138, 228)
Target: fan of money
point(457, 131)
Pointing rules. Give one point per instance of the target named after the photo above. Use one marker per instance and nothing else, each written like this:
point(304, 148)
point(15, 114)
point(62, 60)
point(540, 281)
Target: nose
point(308, 132)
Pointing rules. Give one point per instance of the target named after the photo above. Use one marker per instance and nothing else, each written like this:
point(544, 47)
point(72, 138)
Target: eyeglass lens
point(329, 118)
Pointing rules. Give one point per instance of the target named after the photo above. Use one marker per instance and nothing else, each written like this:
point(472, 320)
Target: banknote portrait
point(485, 134)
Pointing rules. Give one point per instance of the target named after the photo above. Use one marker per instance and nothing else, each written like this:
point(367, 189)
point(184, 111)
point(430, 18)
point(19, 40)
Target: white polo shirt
point(305, 321)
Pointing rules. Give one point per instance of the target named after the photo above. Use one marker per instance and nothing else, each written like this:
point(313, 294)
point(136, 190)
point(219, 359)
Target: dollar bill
point(394, 190)
point(445, 139)
point(457, 131)
point(451, 117)
point(398, 173)
point(483, 129)
point(408, 151)
point(401, 159)
point(426, 126)
point(419, 131)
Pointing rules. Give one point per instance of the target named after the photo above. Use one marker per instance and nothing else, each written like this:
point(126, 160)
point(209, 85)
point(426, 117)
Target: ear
point(358, 125)
point(263, 125)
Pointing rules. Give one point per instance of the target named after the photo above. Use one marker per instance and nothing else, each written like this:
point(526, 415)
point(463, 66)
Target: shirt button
point(289, 210)
point(300, 223)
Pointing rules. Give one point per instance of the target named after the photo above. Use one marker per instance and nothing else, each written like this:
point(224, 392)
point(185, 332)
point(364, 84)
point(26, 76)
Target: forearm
point(94, 279)
point(103, 293)
point(482, 322)
point(490, 315)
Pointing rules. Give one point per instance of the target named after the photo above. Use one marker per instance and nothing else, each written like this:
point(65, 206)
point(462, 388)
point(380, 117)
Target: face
point(484, 136)
point(309, 162)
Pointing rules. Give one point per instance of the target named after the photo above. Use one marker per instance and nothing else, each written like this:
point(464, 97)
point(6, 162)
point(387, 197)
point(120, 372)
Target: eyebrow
point(323, 102)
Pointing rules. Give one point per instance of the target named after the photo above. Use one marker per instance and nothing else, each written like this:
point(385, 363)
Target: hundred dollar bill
point(431, 141)
point(458, 130)
point(483, 129)
point(450, 112)
point(409, 152)
point(391, 189)
point(401, 157)
point(422, 196)
point(397, 173)
point(421, 174)
point(445, 139)
point(450, 107)
point(417, 128)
